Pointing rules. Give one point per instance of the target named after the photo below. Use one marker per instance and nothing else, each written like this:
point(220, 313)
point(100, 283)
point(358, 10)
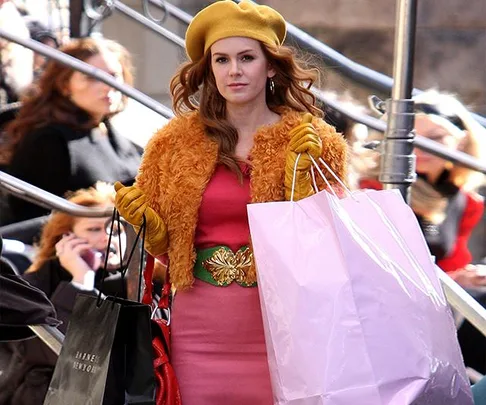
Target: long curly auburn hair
point(193, 88)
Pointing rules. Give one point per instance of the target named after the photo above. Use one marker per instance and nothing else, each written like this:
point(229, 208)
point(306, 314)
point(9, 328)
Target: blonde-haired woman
point(446, 204)
point(443, 196)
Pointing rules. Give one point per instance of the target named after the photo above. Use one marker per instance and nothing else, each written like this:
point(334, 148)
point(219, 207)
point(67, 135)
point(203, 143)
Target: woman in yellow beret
point(244, 113)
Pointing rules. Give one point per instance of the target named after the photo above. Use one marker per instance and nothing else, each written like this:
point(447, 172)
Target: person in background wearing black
point(62, 139)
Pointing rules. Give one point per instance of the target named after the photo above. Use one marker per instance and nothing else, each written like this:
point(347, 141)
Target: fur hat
point(225, 18)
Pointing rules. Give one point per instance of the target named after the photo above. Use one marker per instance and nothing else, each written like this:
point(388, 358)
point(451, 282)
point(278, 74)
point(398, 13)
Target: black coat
point(58, 158)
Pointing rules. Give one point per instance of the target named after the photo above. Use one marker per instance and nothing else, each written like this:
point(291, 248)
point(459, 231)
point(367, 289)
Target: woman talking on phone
point(72, 249)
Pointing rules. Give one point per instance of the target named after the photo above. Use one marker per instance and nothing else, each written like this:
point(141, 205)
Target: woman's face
point(93, 96)
point(240, 69)
point(96, 232)
point(435, 129)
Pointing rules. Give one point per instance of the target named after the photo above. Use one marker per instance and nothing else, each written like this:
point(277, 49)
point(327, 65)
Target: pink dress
point(218, 346)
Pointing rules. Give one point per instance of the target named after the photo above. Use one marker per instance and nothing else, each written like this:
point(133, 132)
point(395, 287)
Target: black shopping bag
point(106, 357)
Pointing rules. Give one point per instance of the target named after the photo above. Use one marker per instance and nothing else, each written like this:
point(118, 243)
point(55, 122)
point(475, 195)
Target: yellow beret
point(225, 18)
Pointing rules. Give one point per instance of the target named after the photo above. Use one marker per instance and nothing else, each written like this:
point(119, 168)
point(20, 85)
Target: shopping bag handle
point(328, 168)
point(316, 166)
point(123, 268)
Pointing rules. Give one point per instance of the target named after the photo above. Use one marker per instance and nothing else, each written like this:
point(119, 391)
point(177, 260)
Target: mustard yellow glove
point(305, 141)
point(131, 204)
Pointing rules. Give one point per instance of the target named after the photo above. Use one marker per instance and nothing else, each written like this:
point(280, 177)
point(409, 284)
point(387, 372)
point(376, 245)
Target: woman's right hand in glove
point(304, 141)
point(131, 203)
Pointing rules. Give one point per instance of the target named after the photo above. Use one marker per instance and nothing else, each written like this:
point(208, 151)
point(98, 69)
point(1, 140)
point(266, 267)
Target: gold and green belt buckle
point(220, 266)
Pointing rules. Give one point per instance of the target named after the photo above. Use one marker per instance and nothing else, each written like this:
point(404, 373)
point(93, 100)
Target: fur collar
point(180, 160)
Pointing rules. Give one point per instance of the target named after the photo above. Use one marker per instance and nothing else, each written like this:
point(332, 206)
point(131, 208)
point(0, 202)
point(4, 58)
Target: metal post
point(397, 159)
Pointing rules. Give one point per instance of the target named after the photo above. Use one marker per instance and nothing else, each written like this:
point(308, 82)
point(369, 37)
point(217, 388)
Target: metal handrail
point(463, 302)
point(51, 336)
point(90, 70)
point(173, 11)
point(36, 195)
point(149, 23)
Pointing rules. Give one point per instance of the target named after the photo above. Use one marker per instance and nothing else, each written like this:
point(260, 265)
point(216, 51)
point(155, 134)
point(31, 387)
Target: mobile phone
point(481, 270)
point(89, 256)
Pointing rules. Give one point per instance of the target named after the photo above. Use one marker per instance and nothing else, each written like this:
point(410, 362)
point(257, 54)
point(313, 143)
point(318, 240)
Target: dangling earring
point(271, 85)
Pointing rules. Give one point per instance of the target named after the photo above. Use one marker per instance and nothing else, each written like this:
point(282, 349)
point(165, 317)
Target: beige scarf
point(428, 202)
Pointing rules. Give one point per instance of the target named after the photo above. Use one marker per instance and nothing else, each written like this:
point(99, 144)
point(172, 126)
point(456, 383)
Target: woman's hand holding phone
point(77, 257)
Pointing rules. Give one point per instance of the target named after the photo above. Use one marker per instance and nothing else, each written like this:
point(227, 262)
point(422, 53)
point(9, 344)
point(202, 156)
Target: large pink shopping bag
point(353, 309)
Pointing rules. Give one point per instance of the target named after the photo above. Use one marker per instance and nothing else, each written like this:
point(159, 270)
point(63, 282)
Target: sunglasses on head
point(434, 110)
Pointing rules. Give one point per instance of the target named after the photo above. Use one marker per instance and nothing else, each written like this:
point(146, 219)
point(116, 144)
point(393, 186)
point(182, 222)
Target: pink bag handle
point(316, 166)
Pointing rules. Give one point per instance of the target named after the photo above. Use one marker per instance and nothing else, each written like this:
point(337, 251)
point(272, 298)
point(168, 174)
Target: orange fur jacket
point(180, 159)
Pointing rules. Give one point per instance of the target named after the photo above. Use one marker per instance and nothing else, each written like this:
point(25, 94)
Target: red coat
point(473, 212)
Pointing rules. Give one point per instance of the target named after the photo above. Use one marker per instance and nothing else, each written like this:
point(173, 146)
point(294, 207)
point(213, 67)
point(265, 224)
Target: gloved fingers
point(132, 195)
point(136, 208)
point(311, 147)
point(297, 138)
point(305, 123)
point(118, 185)
point(307, 118)
point(151, 215)
point(125, 195)
point(303, 165)
point(305, 140)
point(122, 192)
point(301, 128)
point(291, 157)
